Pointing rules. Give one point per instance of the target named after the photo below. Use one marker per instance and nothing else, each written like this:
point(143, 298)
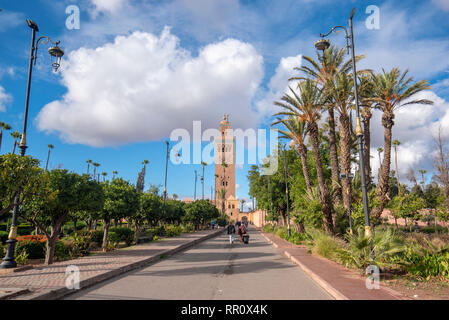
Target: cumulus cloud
point(142, 86)
point(442, 4)
point(10, 19)
point(415, 127)
point(108, 5)
point(5, 98)
point(278, 84)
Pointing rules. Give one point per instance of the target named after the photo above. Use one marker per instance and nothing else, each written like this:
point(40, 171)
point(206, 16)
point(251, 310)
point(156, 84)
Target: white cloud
point(237, 186)
point(142, 86)
point(108, 5)
point(442, 4)
point(278, 85)
point(415, 127)
point(5, 98)
point(9, 20)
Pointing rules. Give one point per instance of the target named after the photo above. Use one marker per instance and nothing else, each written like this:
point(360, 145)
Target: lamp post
point(56, 54)
point(348, 176)
point(323, 44)
point(194, 192)
point(166, 167)
point(286, 192)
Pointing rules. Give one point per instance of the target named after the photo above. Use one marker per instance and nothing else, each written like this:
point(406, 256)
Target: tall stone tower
point(225, 171)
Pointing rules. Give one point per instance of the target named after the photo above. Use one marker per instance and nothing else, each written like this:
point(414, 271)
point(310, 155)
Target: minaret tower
point(225, 169)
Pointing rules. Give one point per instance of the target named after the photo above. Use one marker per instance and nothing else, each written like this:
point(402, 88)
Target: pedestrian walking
point(231, 231)
point(241, 232)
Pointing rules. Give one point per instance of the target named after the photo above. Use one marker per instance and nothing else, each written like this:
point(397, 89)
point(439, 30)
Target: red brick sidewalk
point(48, 282)
point(340, 282)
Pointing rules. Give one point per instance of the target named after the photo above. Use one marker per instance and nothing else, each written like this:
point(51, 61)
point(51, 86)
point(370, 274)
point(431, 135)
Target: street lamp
point(286, 192)
point(348, 176)
point(323, 45)
point(56, 54)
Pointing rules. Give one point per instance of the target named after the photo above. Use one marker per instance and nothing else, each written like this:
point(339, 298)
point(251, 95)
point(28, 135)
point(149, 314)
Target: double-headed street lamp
point(55, 54)
point(324, 44)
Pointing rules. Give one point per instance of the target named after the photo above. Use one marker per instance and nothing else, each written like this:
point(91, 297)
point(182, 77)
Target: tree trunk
point(74, 225)
point(48, 158)
point(382, 187)
point(14, 148)
point(337, 195)
point(1, 137)
point(366, 147)
point(51, 245)
point(345, 160)
point(325, 197)
point(302, 149)
point(105, 234)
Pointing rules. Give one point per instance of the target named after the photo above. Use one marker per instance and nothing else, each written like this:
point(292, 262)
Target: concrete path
point(49, 282)
point(214, 270)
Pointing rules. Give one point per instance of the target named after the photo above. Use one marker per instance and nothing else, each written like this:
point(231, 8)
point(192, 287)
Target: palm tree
point(365, 92)
point(15, 135)
point(145, 162)
point(340, 94)
point(391, 90)
point(50, 146)
point(297, 132)
point(396, 143)
point(96, 165)
point(307, 107)
point(330, 63)
point(222, 194)
point(175, 196)
point(104, 174)
point(3, 126)
point(379, 151)
point(89, 161)
point(242, 202)
point(423, 172)
point(114, 173)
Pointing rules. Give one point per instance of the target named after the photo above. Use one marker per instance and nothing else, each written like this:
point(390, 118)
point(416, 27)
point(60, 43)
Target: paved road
point(214, 270)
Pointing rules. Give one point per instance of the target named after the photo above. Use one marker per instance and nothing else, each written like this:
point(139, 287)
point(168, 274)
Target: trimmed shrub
point(24, 229)
point(124, 235)
point(113, 238)
point(61, 251)
point(97, 236)
point(188, 227)
point(35, 250)
point(3, 236)
point(173, 231)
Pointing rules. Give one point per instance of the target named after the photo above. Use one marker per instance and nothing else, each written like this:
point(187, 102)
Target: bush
point(22, 258)
point(69, 227)
point(3, 227)
point(79, 243)
point(386, 244)
point(173, 231)
point(113, 238)
point(158, 231)
point(61, 251)
point(35, 250)
point(324, 244)
point(3, 236)
point(97, 237)
point(124, 235)
point(188, 227)
point(24, 229)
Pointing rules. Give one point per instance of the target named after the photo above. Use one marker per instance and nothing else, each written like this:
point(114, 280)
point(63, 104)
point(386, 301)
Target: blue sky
point(136, 70)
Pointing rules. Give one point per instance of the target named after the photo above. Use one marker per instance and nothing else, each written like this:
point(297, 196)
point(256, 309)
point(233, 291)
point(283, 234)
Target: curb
point(62, 292)
point(337, 295)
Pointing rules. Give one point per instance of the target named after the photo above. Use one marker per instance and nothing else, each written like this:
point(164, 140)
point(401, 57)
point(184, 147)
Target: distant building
point(225, 171)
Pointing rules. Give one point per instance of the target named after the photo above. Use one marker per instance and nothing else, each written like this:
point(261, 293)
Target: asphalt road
point(214, 270)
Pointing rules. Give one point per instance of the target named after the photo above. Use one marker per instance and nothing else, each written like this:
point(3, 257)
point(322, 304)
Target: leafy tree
point(200, 212)
point(19, 175)
point(150, 208)
point(121, 201)
point(70, 193)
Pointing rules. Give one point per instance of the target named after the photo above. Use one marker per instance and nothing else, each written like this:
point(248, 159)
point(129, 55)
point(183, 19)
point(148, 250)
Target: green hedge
point(35, 250)
point(3, 236)
point(123, 235)
point(24, 229)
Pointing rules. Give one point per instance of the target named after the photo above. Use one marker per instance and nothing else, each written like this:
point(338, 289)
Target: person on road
point(242, 231)
point(213, 224)
point(231, 231)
